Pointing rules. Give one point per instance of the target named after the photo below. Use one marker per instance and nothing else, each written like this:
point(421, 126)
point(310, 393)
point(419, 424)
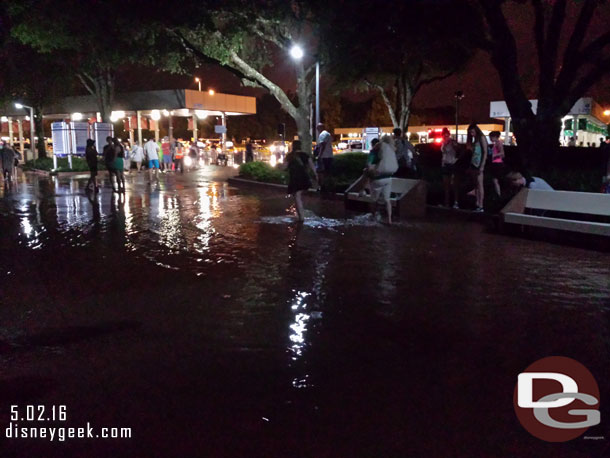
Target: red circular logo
point(556, 399)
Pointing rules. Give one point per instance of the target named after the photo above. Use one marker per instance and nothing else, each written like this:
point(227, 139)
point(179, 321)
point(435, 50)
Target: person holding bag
point(381, 181)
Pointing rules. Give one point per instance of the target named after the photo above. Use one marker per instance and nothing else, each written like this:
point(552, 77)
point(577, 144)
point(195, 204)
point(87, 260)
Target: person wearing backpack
point(404, 153)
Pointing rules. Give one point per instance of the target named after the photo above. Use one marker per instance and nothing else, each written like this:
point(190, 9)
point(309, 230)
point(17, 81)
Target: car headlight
point(272, 148)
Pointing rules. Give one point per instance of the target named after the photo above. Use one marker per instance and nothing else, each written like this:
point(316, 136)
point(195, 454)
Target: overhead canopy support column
point(10, 131)
point(130, 131)
point(507, 134)
point(195, 133)
point(21, 142)
point(139, 120)
point(171, 127)
point(224, 133)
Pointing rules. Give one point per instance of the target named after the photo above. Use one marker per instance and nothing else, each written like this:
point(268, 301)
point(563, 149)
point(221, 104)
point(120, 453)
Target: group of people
point(117, 156)
point(479, 156)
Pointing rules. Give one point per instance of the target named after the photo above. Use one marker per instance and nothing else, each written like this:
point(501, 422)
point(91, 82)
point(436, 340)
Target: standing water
point(208, 321)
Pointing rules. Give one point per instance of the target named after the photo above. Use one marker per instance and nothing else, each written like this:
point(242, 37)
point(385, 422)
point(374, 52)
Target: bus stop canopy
point(179, 102)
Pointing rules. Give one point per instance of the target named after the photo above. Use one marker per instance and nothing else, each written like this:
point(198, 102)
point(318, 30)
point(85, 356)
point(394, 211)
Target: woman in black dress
point(91, 157)
point(298, 176)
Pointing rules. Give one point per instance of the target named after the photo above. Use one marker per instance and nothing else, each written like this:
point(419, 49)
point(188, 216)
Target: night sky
point(478, 80)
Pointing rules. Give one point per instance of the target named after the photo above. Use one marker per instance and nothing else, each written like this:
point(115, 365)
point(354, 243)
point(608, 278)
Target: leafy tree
point(97, 38)
point(570, 59)
point(36, 89)
point(401, 46)
point(246, 37)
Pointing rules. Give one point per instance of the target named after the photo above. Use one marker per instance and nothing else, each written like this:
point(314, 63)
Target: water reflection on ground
point(205, 315)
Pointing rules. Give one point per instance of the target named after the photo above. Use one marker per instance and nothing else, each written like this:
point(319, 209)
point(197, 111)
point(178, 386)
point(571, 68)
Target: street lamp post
point(32, 145)
point(198, 81)
point(296, 52)
point(459, 95)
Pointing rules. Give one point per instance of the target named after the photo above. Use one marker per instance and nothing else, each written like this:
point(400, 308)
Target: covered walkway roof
point(180, 102)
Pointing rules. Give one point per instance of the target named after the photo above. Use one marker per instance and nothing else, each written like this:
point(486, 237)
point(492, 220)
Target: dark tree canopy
point(570, 59)
point(396, 47)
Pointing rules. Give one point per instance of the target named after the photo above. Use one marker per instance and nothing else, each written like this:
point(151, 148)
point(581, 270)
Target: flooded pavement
point(205, 319)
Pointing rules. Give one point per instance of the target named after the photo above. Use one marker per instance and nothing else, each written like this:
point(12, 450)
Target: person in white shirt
point(517, 180)
point(137, 155)
point(152, 151)
point(324, 148)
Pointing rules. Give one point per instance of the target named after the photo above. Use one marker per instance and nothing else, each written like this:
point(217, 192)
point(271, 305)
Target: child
point(497, 160)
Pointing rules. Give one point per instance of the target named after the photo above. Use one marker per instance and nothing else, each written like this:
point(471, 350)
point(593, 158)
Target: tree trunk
point(105, 94)
point(100, 86)
point(538, 139)
point(41, 147)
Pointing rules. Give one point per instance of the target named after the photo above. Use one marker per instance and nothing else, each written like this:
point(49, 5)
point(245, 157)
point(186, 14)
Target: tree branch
point(539, 28)
point(386, 100)
point(587, 81)
point(274, 89)
point(82, 80)
point(572, 58)
point(190, 47)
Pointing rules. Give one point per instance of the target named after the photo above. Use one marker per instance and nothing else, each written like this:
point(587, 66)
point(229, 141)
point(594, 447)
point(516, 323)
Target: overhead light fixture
point(155, 115)
point(77, 116)
point(296, 52)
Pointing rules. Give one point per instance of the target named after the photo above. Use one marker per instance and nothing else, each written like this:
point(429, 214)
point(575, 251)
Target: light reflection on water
point(247, 248)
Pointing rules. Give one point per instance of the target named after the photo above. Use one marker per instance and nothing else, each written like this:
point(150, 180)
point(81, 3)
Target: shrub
point(262, 171)
point(46, 163)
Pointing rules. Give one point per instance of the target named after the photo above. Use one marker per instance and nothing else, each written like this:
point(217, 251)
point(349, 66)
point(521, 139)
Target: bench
point(582, 212)
point(408, 197)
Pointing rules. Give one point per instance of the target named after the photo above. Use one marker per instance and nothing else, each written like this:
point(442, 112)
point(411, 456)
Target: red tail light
point(438, 140)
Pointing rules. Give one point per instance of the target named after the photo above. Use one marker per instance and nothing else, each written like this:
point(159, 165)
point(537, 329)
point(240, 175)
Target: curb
point(236, 181)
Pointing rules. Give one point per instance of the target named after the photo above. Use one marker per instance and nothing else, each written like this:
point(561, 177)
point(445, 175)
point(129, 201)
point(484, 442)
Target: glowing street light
point(607, 113)
point(296, 52)
point(211, 92)
point(19, 106)
point(198, 81)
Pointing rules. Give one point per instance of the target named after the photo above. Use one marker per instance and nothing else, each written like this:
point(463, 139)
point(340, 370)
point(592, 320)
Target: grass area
point(46, 163)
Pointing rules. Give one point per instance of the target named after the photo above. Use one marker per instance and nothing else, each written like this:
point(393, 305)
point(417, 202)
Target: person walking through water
point(7, 158)
point(109, 154)
point(119, 165)
point(298, 163)
point(91, 158)
point(476, 144)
